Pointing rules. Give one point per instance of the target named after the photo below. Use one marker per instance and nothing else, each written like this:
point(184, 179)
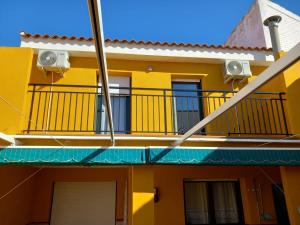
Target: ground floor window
point(212, 202)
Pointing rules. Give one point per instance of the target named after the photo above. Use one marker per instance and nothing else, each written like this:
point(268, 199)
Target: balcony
point(79, 109)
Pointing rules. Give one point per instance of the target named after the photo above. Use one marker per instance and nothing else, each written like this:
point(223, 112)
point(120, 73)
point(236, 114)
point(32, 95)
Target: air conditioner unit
point(52, 60)
point(236, 70)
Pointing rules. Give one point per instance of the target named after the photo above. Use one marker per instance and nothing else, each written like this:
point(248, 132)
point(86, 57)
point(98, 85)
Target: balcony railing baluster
point(165, 111)
point(79, 109)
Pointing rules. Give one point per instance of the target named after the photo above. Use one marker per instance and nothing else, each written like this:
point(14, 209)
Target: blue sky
point(194, 21)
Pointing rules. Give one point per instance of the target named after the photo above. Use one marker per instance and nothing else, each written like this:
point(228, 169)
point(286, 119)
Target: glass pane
point(225, 203)
point(120, 113)
point(187, 104)
point(196, 203)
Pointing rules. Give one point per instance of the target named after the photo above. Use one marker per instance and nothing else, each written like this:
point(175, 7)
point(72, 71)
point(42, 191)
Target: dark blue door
point(187, 103)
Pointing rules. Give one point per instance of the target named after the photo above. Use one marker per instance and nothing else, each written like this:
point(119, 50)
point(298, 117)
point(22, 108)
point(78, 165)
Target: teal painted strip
point(75, 156)
point(152, 155)
point(192, 156)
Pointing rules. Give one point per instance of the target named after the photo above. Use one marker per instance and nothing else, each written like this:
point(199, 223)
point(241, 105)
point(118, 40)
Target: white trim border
point(153, 53)
point(153, 138)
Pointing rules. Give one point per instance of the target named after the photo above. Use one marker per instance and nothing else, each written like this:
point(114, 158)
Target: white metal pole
point(96, 21)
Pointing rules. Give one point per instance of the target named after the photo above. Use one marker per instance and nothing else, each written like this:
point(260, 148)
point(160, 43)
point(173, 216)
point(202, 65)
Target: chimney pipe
point(272, 22)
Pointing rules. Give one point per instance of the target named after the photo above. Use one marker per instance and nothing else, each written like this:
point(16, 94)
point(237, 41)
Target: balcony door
point(120, 103)
point(187, 104)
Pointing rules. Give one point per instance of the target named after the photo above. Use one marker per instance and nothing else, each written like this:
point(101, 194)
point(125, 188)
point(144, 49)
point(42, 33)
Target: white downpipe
point(272, 71)
point(125, 221)
point(236, 111)
point(50, 104)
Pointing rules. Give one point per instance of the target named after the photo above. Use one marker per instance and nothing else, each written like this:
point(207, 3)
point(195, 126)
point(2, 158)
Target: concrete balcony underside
point(151, 140)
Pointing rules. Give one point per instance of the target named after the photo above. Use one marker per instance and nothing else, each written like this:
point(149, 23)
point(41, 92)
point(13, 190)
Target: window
point(120, 103)
point(187, 104)
point(212, 202)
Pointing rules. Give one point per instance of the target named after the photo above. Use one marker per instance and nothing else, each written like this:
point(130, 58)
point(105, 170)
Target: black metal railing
point(79, 108)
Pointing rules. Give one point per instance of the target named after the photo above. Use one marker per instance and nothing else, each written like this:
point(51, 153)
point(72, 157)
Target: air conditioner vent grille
point(53, 60)
point(236, 70)
point(47, 58)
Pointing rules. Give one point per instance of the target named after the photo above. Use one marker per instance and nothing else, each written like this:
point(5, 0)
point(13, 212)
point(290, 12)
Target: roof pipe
point(272, 22)
point(96, 22)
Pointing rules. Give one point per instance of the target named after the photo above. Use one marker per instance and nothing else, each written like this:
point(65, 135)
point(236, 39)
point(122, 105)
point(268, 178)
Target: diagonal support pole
point(7, 138)
point(97, 27)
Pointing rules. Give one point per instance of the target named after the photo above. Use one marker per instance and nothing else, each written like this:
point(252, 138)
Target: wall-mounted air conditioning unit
point(236, 70)
point(52, 60)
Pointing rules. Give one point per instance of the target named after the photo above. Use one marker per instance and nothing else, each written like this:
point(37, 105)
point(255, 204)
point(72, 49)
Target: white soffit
point(153, 53)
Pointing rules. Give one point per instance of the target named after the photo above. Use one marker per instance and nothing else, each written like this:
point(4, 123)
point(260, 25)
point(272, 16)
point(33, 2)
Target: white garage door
point(84, 203)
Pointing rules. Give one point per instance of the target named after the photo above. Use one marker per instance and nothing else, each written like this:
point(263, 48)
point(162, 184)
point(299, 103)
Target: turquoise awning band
point(152, 155)
point(72, 156)
point(194, 156)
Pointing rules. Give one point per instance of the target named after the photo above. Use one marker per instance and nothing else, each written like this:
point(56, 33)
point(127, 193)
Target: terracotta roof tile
point(135, 42)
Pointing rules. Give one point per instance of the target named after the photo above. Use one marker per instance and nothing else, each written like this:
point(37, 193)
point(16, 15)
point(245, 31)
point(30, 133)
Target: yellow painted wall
point(31, 201)
point(83, 72)
point(291, 186)
point(36, 194)
point(149, 118)
point(169, 180)
point(78, 107)
point(148, 109)
point(15, 64)
point(288, 82)
point(142, 196)
point(18, 69)
point(15, 207)
point(41, 206)
point(292, 81)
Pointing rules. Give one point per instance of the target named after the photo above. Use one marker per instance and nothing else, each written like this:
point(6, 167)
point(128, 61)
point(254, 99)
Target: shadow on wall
point(32, 200)
point(293, 95)
point(20, 200)
point(142, 215)
point(191, 156)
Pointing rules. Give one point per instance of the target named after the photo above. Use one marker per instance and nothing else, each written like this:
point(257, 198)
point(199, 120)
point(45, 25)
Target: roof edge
point(25, 35)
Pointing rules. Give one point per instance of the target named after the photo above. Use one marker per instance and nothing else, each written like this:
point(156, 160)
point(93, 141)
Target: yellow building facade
point(60, 168)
